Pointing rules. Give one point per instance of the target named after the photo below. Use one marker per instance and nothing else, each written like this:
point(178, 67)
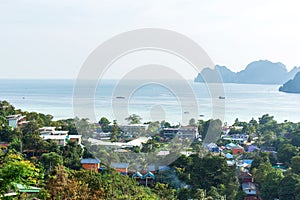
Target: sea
point(174, 101)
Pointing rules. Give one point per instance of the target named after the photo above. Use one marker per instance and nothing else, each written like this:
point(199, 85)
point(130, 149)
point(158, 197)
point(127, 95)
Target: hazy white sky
point(51, 39)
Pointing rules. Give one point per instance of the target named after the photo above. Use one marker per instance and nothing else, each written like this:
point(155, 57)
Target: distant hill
point(292, 86)
point(257, 72)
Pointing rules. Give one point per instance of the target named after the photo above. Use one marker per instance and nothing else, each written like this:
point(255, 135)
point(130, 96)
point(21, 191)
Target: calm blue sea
point(153, 101)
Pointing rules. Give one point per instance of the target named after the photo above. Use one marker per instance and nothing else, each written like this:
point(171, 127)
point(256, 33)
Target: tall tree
point(60, 186)
point(133, 119)
point(269, 188)
point(115, 132)
point(104, 123)
point(51, 160)
point(295, 164)
point(192, 122)
point(286, 152)
point(261, 172)
point(288, 186)
point(72, 153)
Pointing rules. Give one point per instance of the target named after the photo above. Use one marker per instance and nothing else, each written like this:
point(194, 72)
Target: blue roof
point(120, 165)
point(90, 161)
point(137, 174)
point(228, 155)
point(231, 145)
point(247, 161)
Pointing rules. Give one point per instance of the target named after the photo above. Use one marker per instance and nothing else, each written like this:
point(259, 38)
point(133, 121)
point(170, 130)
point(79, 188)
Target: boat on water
point(186, 112)
point(221, 97)
point(120, 97)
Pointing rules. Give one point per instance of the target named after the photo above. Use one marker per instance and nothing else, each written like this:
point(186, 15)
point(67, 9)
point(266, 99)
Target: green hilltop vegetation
point(57, 171)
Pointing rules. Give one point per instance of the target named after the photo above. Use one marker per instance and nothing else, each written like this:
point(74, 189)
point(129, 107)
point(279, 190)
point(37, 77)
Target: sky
point(52, 39)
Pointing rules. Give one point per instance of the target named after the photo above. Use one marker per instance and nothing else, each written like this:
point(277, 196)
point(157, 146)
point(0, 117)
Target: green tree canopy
point(133, 119)
point(286, 152)
point(51, 160)
point(269, 188)
point(104, 123)
point(14, 169)
point(295, 164)
point(289, 186)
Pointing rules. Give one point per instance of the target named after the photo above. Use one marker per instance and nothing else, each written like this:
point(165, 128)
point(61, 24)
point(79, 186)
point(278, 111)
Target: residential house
point(90, 164)
point(245, 177)
point(149, 168)
point(182, 132)
point(237, 138)
point(134, 129)
point(27, 192)
point(60, 137)
point(104, 136)
point(16, 120)
point(47, 130)
point(249, 188)
point(121, 167)
point(252, 148)
point(170, 132)
point(136, 142)
point(230, 146)
point(228, 156)
point(75, 138)
point(147, 179)
point(237, 150)
point(211, 146)
point(188, 132)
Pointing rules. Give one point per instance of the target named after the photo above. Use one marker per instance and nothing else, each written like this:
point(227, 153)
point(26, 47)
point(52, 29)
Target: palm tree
point(133, 119)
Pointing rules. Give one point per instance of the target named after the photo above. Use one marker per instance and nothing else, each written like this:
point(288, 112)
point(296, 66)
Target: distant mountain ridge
point(292, 86)
point(257, 72)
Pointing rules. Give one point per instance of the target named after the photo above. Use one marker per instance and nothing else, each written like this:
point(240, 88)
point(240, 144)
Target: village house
point(121, 167)
point(213, 147)
point(237, 150)
point(90, 164)
point(149, 168)
point(30, 192)
point(237, 138)
point(60, 137)
point(147, 179)
point(188, 132)
point(103, 136)
point(16, 120)
point(134, 129)
point(245, 177)
point(182, 132)
point(170, 132)
point(249, 188)
point(136, 142)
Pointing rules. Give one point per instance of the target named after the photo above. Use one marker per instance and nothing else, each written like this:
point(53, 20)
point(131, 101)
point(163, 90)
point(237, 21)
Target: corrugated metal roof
point(120, 165)
point(90, 161)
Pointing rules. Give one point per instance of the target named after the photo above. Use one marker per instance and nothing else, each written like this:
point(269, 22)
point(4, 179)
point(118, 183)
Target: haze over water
point(242, 101)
